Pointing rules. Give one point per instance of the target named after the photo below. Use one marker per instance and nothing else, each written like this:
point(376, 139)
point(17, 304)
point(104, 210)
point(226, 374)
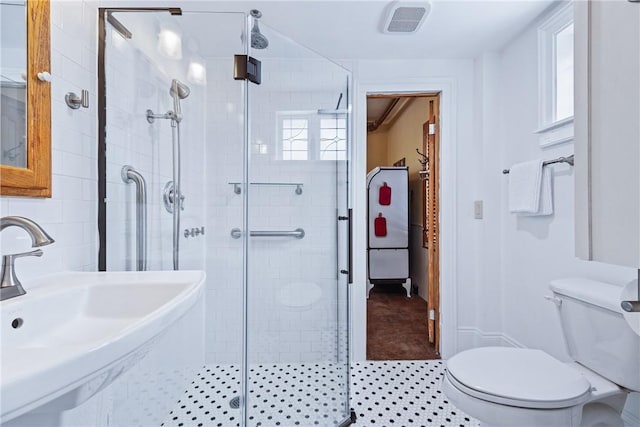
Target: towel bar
point(568, 160)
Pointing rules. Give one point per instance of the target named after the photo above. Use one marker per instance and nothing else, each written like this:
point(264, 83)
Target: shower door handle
point(349, 270)
point(130, 174)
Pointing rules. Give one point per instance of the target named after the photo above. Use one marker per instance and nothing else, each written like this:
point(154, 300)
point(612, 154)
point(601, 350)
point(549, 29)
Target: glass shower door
point(298, 220)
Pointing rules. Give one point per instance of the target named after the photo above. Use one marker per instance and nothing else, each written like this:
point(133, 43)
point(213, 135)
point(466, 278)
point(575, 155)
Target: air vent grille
point(404, 17)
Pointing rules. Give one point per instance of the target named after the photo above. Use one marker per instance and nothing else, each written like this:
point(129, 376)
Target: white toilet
point(517, 387)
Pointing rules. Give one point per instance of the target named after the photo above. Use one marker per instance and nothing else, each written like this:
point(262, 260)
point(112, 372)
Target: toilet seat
point(525, 378)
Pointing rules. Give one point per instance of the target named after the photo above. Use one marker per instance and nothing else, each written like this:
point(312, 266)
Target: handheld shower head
point(178, 91)
point(258, 40)
point(177, 87)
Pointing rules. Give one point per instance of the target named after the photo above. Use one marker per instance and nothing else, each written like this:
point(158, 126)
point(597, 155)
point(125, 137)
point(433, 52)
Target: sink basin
point(72, 334)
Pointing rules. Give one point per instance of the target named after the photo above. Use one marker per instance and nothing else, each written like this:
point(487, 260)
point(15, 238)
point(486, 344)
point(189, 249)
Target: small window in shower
point(333, 139)
point(308, 136)
point(295, 139)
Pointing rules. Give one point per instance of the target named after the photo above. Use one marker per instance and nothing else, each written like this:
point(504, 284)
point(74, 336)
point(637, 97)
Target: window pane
point(327, 134)
point(299, 124)
point(332, 138)
point(299, 145)
point(295, 139)
point(564, 73)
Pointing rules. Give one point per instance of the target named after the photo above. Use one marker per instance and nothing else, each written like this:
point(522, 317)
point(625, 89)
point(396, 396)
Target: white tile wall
point(212, 156)
point(278, 333)
point(70, 215)
point(139, 79)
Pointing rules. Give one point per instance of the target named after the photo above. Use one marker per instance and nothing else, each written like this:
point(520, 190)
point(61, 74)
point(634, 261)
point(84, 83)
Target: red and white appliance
point(388, 227)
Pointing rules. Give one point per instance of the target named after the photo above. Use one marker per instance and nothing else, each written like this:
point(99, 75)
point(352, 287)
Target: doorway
point(403, 134)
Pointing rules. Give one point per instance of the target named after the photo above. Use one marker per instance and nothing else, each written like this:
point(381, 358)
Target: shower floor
point(383, 393)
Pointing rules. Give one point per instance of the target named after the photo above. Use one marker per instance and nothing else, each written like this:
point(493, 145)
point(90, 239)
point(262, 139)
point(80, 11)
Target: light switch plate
point(477, 209)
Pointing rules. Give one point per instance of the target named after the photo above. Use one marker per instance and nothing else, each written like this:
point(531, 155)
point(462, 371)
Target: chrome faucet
point(9, 284)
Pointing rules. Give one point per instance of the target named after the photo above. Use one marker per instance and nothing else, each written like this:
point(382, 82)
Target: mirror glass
point(13, 85)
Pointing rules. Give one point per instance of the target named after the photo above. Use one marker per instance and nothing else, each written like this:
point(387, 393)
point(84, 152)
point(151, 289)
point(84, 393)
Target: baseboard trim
point(630, 419)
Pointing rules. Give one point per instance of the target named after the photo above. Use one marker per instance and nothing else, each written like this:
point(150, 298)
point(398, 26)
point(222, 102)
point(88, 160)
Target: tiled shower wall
point(282, 271)
point(212, 157)
point(137, 80)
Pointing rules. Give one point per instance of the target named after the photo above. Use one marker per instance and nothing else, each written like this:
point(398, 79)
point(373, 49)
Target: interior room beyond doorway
point(398, 128)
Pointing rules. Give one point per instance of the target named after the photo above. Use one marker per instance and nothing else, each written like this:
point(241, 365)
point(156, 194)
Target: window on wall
point(295, 139)
point(563, 68)
point(555, 58)
point(310, 136)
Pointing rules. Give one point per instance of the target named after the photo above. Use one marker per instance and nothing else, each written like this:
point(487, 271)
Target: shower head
point(178, 91)
point(258, 40)
point(177, 87)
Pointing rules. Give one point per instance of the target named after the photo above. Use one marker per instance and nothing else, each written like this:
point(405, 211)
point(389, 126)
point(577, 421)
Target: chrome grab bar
point(130, 174)
point(298, 233)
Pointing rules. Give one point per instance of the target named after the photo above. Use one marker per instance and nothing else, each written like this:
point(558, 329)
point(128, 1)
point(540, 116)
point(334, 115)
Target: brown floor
point(397, 325)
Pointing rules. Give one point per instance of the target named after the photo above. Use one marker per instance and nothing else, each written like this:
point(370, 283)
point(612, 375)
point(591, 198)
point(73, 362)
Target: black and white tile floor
point(389, 393)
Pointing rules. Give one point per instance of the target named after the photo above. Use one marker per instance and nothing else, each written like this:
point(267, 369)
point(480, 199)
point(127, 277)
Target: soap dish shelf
point(237, 186)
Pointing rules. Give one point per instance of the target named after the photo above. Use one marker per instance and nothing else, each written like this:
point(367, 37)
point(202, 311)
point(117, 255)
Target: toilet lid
point(519, 377)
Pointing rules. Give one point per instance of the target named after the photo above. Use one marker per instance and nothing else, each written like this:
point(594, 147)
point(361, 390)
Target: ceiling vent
point(405, 17)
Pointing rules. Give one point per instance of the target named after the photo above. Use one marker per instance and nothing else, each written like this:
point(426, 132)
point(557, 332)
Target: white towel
point(546, 197)
point(525, 180)
point(530, 189)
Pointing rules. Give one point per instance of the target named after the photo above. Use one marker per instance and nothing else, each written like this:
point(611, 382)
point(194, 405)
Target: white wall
point(535, 249)
point(503, 263)
point(70, 215)
point(454, 79)
point(520, 255)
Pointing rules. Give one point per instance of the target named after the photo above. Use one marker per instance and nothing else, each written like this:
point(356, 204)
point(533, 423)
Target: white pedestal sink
point(73, 334)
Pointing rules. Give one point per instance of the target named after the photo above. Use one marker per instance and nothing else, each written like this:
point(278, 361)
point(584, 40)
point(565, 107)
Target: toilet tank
point(595, 331)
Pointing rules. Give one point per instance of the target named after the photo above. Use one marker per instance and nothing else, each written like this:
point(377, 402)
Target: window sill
point(555, 133)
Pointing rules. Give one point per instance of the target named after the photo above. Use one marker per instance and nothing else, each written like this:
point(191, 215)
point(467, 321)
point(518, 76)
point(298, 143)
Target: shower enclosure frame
point(103, 17)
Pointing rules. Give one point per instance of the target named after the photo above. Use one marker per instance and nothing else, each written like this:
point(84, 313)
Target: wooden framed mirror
point(25, 156)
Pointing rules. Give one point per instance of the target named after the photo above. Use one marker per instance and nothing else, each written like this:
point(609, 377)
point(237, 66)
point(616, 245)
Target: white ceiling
point(352, 29)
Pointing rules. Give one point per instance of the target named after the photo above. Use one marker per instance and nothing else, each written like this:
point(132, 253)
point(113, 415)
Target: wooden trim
point(425, 185)
point(431, 219)
point(35, 179)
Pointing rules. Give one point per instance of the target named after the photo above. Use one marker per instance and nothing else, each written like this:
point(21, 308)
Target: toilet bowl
point(529, 388)
point(519, 387)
